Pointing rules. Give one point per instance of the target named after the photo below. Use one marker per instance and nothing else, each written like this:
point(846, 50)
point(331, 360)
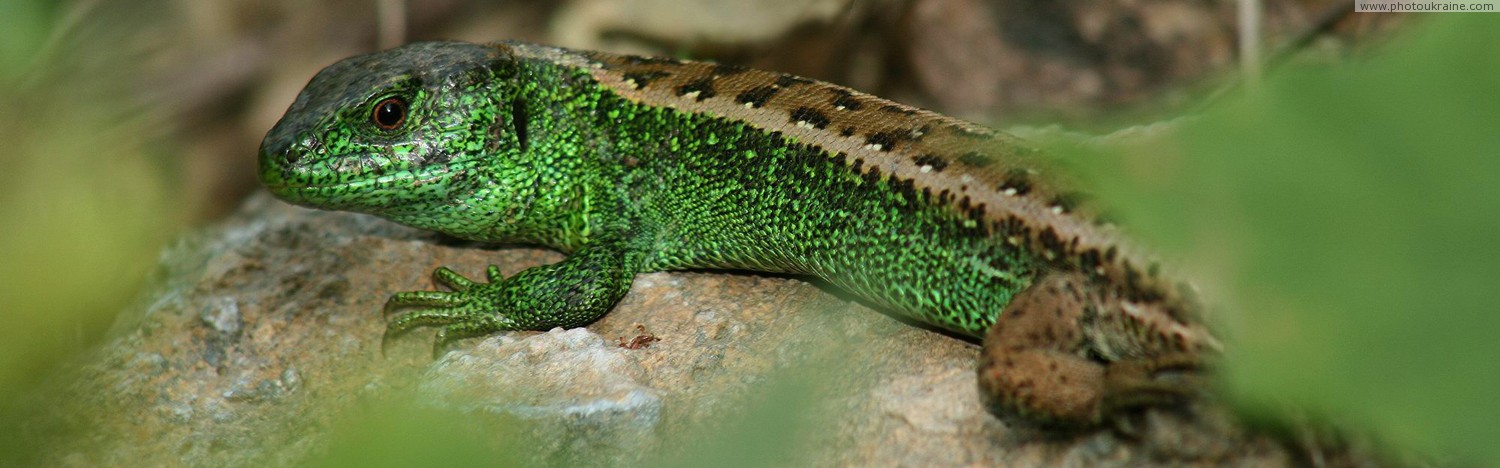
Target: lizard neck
point(556, 113)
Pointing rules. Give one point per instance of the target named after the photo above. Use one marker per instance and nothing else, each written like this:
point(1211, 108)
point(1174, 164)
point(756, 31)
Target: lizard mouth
point(356, 191)
point(355, 184)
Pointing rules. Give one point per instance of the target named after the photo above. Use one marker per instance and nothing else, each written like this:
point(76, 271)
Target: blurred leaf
point(1350, 214)
point(83, 201)
point(398, 432)
point(772, 429)
point(24, 26)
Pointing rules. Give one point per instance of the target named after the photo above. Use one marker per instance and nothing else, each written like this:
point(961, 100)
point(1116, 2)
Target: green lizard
point(634, 164)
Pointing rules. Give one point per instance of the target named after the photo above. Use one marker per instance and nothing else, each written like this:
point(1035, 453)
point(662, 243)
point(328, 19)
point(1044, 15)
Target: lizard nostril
point(277, 147)
point(292, 153)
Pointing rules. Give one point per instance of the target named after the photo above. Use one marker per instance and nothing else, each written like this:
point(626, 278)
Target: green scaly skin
point(700, 193)
point(534, 148)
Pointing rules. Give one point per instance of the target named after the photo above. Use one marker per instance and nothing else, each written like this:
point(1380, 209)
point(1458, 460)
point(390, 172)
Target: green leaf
point(1348, 218)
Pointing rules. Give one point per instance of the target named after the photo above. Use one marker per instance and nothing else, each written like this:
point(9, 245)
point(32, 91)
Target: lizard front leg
point(570, 293)
point(1042, 360)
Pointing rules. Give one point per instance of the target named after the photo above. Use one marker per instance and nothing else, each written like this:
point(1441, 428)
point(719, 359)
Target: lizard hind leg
point(1034, 366)
point(1039, 363)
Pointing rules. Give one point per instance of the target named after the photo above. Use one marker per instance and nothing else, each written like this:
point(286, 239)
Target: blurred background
point(1336, 174)
point(214, 76)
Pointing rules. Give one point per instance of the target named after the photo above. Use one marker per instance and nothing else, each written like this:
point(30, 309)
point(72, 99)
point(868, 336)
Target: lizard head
point(405, 134)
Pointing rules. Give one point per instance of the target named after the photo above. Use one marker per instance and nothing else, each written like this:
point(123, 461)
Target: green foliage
point(395, 432)
point(1346, 211)
point(24, 27)
point(774, 427)
point(82, 199)
point(1349, 215)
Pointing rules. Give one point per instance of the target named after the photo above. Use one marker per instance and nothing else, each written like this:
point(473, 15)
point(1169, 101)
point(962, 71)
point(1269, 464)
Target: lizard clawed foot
point(1162, 381)
point(442, 299)
point(464, 312)
point(458, 331)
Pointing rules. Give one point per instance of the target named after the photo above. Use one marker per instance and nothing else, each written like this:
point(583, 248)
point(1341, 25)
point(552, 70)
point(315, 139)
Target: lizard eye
point(389, 114)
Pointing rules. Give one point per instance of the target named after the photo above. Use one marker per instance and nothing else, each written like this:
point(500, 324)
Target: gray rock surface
point(262, 346)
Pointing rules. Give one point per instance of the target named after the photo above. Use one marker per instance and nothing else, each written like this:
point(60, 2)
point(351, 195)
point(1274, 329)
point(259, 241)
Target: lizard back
point(990, 177)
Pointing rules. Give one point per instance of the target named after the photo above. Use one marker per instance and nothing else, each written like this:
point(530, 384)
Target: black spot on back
point(886, 140)
point(1050, 241)
point(643, 60)
point(916, 134)
point(937, 163)
point(787, 81)
point(757, 97)
point(721, 69)
point(811, 116)
point(975, 159)
point(1068, 201)
point(1011, 225)
point(1018, 180)
point(1088, 261)
point(703, 86)
point(895, 109)
point(844, 99)
point(643, 79)
point(873, 175)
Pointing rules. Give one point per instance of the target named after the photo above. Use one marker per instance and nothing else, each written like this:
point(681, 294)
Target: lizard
point(631, 164)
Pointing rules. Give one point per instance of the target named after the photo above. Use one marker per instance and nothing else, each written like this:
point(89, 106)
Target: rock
point(589, 395)
point(262, 346)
